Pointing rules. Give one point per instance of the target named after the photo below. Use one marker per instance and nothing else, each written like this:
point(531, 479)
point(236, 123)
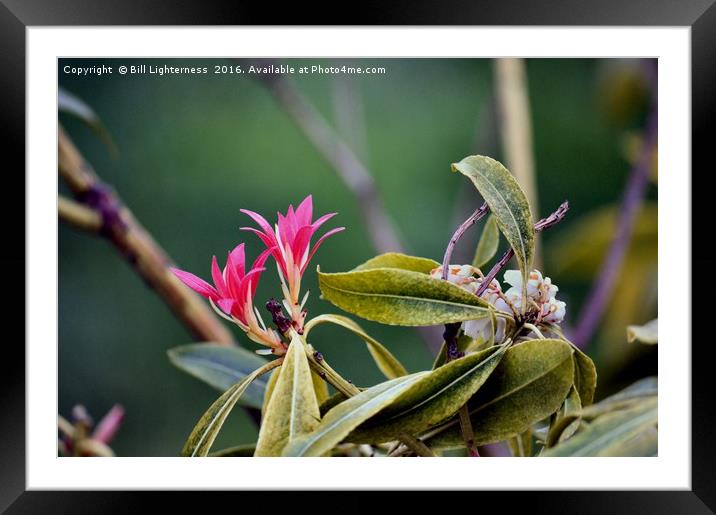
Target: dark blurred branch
point(101, 211)
point(354, 174)
point(634, 195)
point(350, 169)
point(78, 215)
point(516, 128)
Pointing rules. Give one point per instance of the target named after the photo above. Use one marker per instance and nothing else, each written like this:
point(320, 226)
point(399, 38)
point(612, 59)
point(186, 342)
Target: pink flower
point(109, 425)
point(233, 292)
point(289, 242)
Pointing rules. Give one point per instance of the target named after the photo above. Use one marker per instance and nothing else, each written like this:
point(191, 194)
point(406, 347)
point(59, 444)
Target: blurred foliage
point(195, 149)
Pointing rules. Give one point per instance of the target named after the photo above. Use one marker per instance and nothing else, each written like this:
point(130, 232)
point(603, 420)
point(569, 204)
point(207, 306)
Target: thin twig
point(136, 245)
point(472, 219)
point(452, 330)
point(467, 432)
point(516, 128)
point(416, 445)
point(543, 224)
point(78, 215)
point(604, 284)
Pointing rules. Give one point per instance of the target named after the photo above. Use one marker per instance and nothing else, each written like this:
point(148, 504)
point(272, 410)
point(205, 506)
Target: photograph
point(372, 257)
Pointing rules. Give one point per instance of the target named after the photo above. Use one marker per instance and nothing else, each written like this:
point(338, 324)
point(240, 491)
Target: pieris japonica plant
point(505, 372)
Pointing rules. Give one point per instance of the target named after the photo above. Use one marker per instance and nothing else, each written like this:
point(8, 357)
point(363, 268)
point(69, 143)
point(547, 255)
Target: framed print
point(463, 265)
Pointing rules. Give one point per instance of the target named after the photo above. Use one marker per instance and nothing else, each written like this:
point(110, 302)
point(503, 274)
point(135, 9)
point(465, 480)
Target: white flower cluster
point(541, 304)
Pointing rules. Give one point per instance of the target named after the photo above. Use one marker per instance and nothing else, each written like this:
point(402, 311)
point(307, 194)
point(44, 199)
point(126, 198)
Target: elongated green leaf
point(401, 297)
point(401, 261)
point(71, 104)
point(347, 415)
point(638, 392)
point(647, 333)
point(292, 409)
point(431, 400)
point(645, 387)
point(528, 385)
point(571, 408)
point(270, 386)
point(221, 366)
point(238, 451)
point(386, 362)
point(585, 376)
point(614, 434)
point(641, 391)
point(331, 402)
point(508, 203)
point(320, 387)
point(204, 433)
point(487, 246)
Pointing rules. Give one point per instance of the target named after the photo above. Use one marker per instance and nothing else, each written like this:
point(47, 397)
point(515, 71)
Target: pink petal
point(273, 245)
point(258, 264)
point(261, 221)
point(226, 305)
point(323, 220)
point(319, 242)
point(109, 425)
point(304, 211)
point(268, 240)
point(200, 286)
point(286, 231)
point(218, 277)
point(302, 241)
point(237, 259)
point(233, 281)
point(262, 258)
point(251, 279)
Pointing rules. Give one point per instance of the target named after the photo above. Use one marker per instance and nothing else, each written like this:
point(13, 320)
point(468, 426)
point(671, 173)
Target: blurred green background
point(193, 150)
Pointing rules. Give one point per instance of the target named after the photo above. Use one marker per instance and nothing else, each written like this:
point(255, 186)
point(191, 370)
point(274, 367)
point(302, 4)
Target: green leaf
point(71, 104)
point(508, 203)
point(386, 362)
point(628, 397)
point(400, 297)
point(401, 261)
point(585, 376)
point(270, 386)
point(221, 366)
point(629, 432)
point(320, 387)
point(204, 433)
point(433, 399)
point(647, 333)
point(238, 451)
point(638, 392)
point(292, 409)
point(528, 385)
point(344, 417)
point(487, 246)
point(331, 402)
point(571, 408)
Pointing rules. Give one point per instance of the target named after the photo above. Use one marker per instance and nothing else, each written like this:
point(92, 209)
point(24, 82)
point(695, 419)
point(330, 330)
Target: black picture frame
point(17, 15)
